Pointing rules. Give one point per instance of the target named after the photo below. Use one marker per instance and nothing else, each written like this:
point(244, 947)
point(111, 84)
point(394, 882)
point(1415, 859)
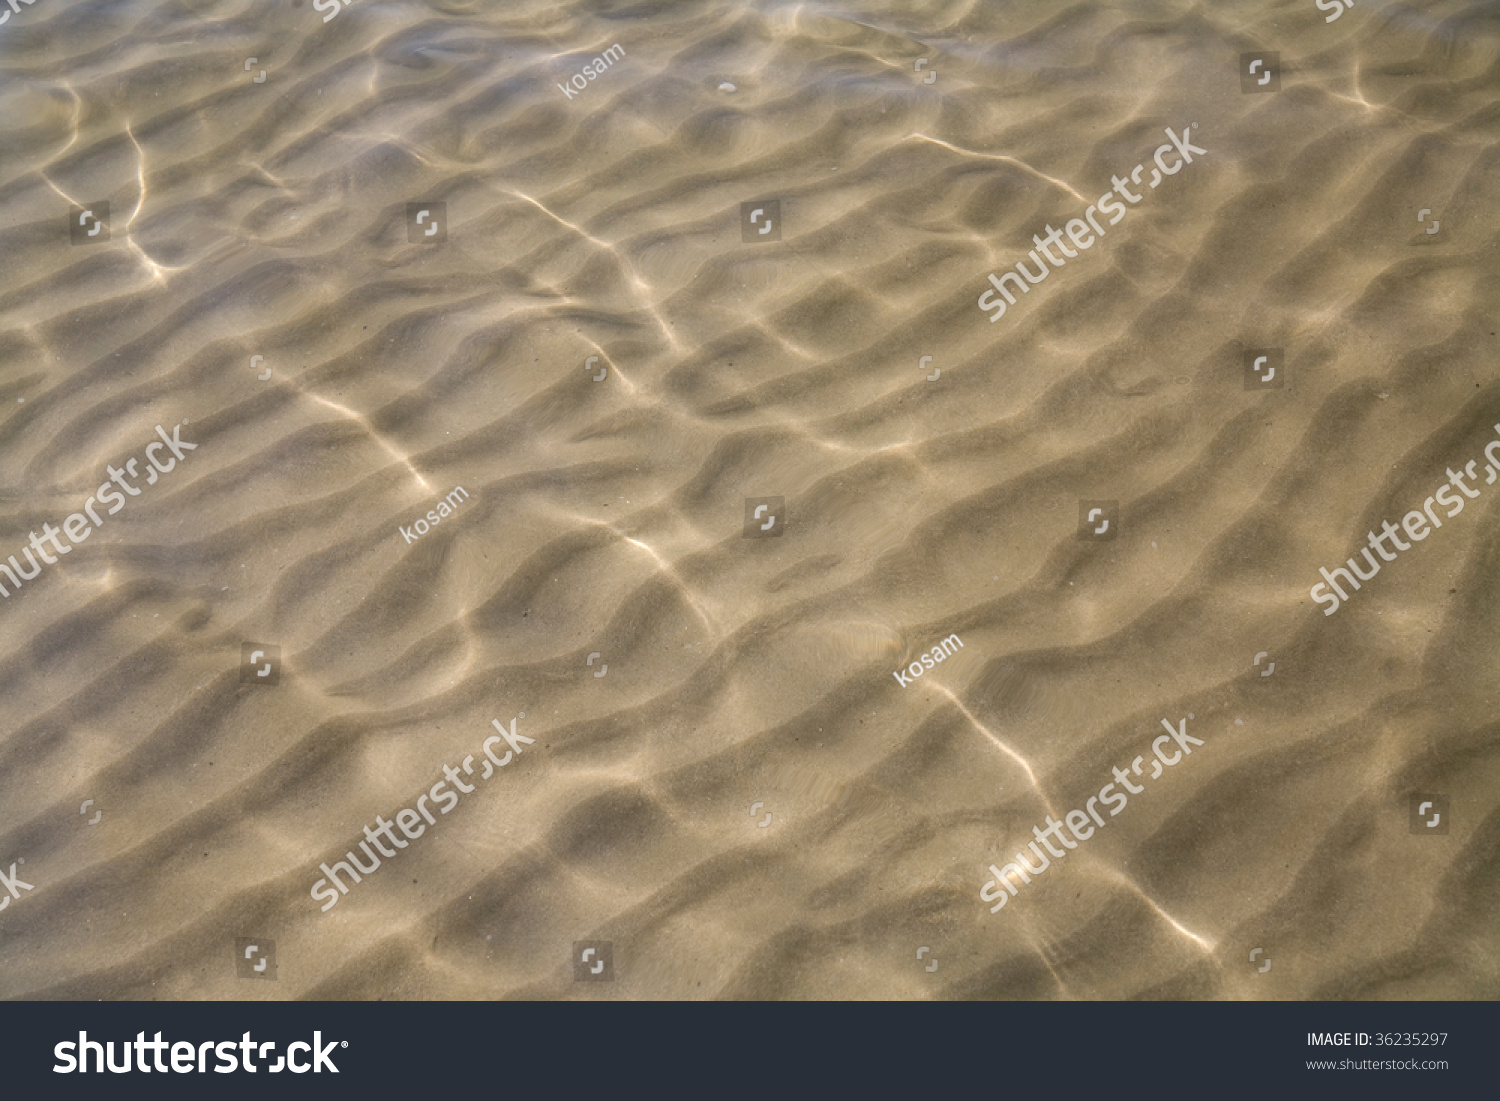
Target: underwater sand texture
point(608, 518)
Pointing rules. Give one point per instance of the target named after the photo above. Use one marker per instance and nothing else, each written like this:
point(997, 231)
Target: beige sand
point(270, 219)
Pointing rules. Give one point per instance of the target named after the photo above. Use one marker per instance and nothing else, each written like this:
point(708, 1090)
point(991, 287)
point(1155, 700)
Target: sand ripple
point(270, 219)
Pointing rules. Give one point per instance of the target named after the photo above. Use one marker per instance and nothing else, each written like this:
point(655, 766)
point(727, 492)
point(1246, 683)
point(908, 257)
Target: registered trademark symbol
point(344, 1043)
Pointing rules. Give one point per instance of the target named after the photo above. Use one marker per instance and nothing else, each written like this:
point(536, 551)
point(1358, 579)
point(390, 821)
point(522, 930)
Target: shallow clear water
point(743, 265)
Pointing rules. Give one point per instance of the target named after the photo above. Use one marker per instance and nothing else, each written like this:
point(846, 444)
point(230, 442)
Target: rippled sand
point(608, 517)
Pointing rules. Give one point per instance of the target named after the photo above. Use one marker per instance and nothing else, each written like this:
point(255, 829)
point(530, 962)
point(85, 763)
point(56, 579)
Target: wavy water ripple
point(602, 231)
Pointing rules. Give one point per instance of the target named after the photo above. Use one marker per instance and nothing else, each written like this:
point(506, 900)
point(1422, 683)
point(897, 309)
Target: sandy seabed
point(605, 524)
